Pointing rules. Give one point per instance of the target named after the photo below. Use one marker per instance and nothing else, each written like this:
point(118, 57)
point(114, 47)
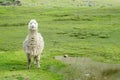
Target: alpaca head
point(33, 25)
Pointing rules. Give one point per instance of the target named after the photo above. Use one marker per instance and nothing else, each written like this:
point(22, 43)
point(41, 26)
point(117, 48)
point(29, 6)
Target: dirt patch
point(86, 69)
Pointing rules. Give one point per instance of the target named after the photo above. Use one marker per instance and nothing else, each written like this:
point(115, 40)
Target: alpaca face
point(33, 25)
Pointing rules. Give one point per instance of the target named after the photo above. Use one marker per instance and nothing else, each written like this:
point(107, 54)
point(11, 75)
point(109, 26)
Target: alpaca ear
point(37, 24)
point(29, 25)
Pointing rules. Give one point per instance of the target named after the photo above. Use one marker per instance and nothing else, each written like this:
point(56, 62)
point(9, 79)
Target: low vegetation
point(76, 31)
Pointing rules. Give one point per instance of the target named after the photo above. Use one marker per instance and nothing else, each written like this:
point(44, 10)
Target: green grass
point(77, 31)
point(13, 66)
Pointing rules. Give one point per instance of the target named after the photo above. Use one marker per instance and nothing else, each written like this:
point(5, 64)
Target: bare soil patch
point(86, 69)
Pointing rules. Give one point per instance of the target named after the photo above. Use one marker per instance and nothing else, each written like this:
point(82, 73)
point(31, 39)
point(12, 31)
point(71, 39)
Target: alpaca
point(33, 44)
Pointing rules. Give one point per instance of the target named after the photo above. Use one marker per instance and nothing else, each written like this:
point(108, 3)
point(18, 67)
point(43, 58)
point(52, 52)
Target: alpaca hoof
point(28, 68)
point(38, 66)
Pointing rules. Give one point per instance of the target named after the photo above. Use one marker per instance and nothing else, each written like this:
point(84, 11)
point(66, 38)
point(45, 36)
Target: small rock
point(65, 56)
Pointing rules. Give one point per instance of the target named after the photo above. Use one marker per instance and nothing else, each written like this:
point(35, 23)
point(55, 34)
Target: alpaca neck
point(32, 33)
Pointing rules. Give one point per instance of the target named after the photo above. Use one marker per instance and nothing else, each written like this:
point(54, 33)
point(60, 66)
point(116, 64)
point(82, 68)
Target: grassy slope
point(91, 32)
point(70, 3)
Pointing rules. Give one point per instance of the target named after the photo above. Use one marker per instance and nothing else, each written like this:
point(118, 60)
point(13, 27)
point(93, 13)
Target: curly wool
point(34, 44)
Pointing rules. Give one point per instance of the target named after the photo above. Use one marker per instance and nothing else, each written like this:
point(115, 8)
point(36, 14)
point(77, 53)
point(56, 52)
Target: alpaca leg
point(37, 61)
point(29, 60)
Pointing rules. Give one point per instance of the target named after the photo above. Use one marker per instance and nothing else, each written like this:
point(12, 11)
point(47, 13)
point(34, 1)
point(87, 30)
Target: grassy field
point(76, 31)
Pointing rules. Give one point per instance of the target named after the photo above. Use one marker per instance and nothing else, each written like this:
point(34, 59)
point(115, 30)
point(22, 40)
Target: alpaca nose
point(32, 26)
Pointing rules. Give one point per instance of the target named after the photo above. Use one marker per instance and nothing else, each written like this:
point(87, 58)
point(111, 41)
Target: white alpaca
point(33, 44)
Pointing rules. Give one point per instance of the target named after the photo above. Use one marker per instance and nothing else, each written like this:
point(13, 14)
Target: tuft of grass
point(110, 72)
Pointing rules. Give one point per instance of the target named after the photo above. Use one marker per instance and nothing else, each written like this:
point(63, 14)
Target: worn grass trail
point(86, 69)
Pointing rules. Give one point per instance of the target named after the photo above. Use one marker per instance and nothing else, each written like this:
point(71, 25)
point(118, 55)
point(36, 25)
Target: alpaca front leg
point(37, 61)
point(29, 61)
